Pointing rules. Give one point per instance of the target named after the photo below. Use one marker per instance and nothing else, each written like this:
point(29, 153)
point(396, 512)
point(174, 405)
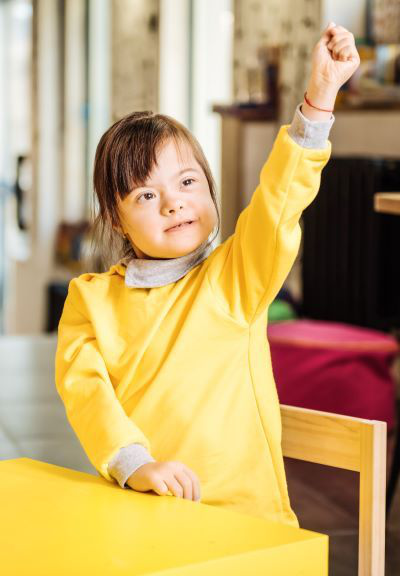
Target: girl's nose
point(172, 205)
point(179, 207)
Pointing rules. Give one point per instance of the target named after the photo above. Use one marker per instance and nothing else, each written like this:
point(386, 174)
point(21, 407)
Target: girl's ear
point(118, 228)
point(121, 232)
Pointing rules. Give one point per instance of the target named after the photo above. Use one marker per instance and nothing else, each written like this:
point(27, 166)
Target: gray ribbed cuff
point(310, 133)
point(127, 461)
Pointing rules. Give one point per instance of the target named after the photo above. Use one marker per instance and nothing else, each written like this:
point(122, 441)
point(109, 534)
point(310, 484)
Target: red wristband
point(312, 106)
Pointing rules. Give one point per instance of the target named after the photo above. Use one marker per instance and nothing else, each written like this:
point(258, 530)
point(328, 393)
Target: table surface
point(55, 520)
point(387, 202)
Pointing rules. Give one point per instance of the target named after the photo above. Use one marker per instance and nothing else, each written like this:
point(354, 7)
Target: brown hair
point(125, 156)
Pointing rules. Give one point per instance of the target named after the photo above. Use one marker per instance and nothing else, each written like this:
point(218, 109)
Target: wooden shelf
point(389, 106)
point(248, 112)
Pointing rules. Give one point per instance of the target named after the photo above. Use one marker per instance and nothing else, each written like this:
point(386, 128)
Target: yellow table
point(56, 521)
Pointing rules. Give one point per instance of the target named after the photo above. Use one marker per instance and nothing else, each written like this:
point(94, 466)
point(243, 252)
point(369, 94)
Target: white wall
point(99, 74)
point(75, 99)
point(212, 68)
point(348, 13)
point(174, 59)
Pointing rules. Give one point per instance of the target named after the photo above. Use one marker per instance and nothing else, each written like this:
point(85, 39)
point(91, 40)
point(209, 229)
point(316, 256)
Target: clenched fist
point(335, 57)
point(334, 61)
point(162, 477)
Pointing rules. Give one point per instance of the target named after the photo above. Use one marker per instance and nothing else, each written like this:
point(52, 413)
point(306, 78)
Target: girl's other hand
point(334, 59)
point(162, 477)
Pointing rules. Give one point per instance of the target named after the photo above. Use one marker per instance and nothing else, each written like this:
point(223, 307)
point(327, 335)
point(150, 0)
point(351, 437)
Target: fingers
point(174, 486)
point(195, 484)
point(182, 482)
point(164, 477)
point(340, 49)
point(159, 486)
point(185, 483)
point(190, 484)
point(342, 44)
point(340, 30)
point(326, 34)
point(333, 31)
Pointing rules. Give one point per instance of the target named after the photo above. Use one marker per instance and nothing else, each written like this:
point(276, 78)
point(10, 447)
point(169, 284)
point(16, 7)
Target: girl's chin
point(178, 251)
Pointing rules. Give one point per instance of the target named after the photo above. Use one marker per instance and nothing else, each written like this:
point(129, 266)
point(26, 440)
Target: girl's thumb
point(325, 34)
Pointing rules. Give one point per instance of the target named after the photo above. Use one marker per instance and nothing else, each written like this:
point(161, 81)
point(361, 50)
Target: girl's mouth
point(181, 226)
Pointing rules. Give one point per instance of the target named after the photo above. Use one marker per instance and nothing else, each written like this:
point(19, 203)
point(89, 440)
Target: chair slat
point(353, 444)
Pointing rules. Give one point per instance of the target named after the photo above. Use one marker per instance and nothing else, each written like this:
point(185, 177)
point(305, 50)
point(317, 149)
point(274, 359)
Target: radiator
point(351, 254)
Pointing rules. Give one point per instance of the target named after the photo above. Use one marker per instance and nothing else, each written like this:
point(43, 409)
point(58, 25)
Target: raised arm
point(248, 269)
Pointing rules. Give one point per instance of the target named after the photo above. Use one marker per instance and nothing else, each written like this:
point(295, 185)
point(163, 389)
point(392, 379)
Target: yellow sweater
point(184, 369)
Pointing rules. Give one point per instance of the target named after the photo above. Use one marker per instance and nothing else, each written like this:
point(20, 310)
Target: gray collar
point(143, 273)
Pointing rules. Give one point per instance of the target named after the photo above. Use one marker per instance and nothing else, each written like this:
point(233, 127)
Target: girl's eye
point(146, 194)
point(189, 180)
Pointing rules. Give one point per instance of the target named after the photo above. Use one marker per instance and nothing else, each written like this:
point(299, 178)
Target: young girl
point(162, 361)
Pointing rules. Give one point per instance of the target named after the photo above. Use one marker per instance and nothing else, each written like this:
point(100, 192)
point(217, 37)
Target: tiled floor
point(33, 424)
point(32, 417)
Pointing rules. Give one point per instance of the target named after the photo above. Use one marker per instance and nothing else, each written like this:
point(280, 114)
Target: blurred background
point(233, 72)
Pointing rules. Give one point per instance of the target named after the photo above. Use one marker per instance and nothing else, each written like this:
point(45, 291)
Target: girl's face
point(177, 191)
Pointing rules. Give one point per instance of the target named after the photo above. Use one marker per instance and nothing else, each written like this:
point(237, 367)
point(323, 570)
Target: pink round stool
point(334, 367)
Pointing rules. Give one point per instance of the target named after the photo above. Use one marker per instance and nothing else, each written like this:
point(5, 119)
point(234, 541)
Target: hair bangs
point(136, 156)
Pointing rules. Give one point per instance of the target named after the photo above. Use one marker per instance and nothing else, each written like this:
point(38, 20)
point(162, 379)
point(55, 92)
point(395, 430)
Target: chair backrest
point(352, 444)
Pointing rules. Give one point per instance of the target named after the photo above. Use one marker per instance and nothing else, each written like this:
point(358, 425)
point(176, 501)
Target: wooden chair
point(352, 444)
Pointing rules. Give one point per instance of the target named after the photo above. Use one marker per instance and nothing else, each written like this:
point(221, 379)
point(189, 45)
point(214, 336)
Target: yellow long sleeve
point(248, 269)
point(83, 382)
